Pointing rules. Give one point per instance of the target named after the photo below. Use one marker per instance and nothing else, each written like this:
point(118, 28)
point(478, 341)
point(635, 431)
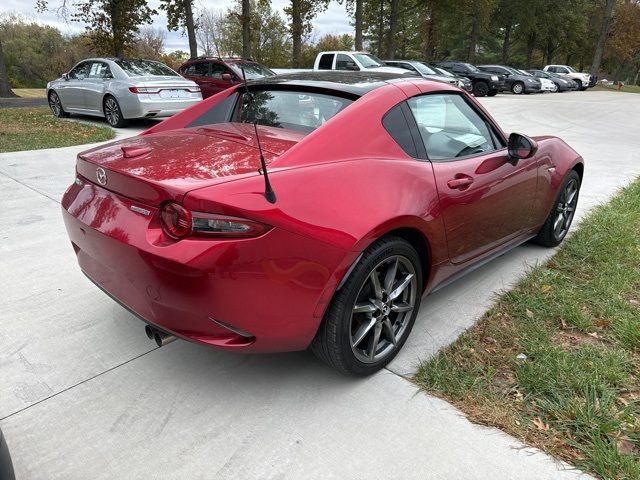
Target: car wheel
point(517, 88)
point(492, 93)
point(480, 89)
point(371, 316)
point(112, 112)
point(558, 222)
point(56, 105)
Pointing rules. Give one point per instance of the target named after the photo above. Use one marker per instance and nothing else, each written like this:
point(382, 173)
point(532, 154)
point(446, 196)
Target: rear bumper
point(496, 85)
point(270, 287)
point(141, 105)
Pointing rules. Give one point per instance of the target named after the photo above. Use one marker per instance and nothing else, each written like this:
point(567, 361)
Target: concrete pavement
point(84, 394)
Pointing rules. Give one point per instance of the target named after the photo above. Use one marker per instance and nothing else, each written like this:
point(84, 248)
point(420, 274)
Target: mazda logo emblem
point(101, 175)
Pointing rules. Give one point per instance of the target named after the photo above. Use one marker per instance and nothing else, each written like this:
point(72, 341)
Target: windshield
point(513, 71)
point(471, 68)
point(367, 60)
point(141, 68)
point(251, 70)
point(301, 111)
point(443, 72)
point(570, 69)
point(525, 73)
point(424, 69)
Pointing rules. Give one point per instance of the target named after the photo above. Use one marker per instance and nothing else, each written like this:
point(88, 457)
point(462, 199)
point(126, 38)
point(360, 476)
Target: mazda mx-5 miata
point(312, 210)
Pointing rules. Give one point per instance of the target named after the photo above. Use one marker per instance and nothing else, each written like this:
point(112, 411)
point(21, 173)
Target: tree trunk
point(246, 29)
point(531, 43)
point(381, 28)
point(191, 28)
point(393, 26)
point(473, 41)
point(358, 40)
point(118, 44)
point(429, 47)
point(5, 86)
point(506, 43)
point(296, 32)
point(602, 39)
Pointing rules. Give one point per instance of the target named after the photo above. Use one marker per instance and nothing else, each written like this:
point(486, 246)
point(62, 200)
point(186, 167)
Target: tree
point(209, 26)
point(149, 43)
point(113, 24)
point(5, 86)
point(180, 15)
point(604, 31)
point(302, 12)
point(245, 21)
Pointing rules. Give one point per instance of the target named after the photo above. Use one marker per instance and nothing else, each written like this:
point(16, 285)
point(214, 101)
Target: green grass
point(36, 128)
point(31, 92)
point(556, 361)
point(614, 88)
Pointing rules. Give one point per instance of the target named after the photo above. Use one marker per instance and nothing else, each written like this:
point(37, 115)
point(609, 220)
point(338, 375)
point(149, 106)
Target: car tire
point(558, 222)
point(480, 89)
point(112, 112)
point(582, 89)
point(55, 104)
point(371, 316)
point(517, 88)
point(492, 93)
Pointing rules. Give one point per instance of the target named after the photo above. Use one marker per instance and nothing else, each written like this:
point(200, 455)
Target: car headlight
point(494, 78)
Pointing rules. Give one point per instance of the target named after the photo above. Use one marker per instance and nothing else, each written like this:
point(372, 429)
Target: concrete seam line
point(28, 186)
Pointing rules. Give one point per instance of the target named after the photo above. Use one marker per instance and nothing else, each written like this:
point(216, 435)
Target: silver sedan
point(121, 89)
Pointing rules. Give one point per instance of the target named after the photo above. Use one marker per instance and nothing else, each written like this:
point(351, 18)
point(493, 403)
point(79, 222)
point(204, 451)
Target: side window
point(406, 66)
point(457, 68)
point(450, 128)
point(344, 62)
point(217, 69)
point(81, 71)
point(326, 61)
point(396, 124)
point(197, 69)
point(98, 70)
point(562, 70)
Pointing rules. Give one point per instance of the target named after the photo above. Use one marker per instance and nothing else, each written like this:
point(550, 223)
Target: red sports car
point(377, 191)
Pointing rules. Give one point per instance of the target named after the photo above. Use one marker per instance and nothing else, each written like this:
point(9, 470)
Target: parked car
point(546, 85)
point(515, 82)
point(583, 79)
point(563, 84)
point(121, 89)
point(6, 467)
point(484, 84)
point(214, 74)
point(423, 70)
point(227, 227)
point(353, 61)
point(466, 83)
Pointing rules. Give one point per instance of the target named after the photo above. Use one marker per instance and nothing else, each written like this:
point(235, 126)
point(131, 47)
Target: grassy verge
point(31, 92)
point(614, 88)
point(556, 362)
point(36, 128)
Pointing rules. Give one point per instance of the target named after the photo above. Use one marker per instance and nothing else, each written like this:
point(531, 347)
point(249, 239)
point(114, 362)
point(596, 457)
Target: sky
point(334, 20)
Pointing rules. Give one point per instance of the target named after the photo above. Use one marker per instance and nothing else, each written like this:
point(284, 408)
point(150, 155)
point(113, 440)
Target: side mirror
point(521, 147)
point(65, 76)
point(226, 77)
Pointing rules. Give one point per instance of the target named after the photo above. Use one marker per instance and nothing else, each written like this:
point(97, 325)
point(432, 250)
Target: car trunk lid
point(165, 166)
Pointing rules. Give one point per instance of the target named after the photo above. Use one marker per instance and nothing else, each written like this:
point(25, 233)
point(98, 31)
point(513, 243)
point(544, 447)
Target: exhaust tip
point(148, 329)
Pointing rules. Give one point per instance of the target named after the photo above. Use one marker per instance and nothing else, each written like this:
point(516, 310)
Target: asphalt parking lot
point(84, 393)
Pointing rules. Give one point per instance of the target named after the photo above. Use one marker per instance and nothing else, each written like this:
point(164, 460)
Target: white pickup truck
point(346, 61)
point(584, 80)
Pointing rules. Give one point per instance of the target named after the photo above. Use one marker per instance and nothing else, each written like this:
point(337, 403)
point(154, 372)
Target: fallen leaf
point(602, 323)
point(545, 288)
point(540, 425)
point(594, 334)
point(563, 323)
point(634, 302)
point(625, 446)
point(529, 313)
point(623, 401)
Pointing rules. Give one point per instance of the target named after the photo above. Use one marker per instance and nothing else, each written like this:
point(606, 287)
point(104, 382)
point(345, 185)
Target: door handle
point(460, 182)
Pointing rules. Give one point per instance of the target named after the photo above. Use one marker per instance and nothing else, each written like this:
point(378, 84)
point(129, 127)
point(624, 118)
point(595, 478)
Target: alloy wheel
point(54, 104)
point(517, 88)
point(565, 209)
point(111, 111)
point(383, 308)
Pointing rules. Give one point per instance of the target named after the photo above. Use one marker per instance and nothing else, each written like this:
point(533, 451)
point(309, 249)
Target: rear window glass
point(301, 111)
point(141, 68)
point(326, 62)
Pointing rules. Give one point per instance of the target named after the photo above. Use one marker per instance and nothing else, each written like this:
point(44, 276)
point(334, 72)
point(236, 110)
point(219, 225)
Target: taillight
point(143, 90)
point(223, 226)
point(178, 222)
point(175, 220)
